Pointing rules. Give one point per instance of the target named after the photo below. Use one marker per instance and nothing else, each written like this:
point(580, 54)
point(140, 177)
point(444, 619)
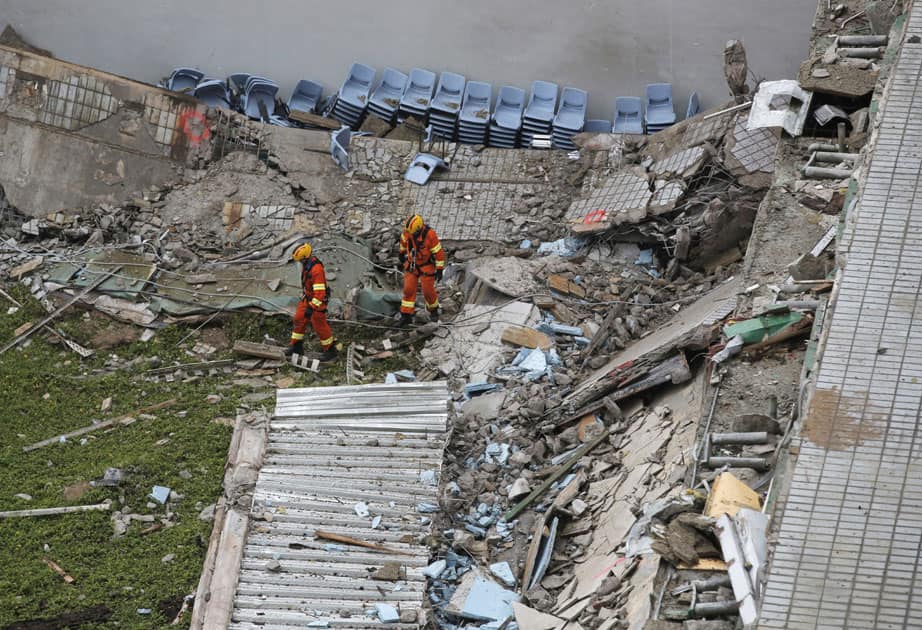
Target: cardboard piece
point(728, 495)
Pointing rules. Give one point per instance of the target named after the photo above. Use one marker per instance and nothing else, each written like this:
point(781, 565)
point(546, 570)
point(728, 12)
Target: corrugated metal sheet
point(329, 449)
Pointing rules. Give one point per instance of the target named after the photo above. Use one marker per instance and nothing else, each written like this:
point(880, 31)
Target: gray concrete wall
point(610, 48)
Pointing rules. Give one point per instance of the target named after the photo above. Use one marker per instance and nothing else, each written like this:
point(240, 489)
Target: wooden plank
point(348, 540)
point(526, 337)
point(96, 427)
point(20, 338)
point(563, 285)
point(54, 566)
point(17, 272)
point(70, 509)
point(314, 119)
point(260, 350)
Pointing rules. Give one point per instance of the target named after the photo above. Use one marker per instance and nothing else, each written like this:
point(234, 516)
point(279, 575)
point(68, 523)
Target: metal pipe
point(840, 136)
point(826, 173)
point(749, 437)
point(835, 156)
point(735, 108)
point(758, 463)
point(716, 609)
point(819, 146)
point(709, 584)
point(862, 40)
point(803, 305)
point(862, 53)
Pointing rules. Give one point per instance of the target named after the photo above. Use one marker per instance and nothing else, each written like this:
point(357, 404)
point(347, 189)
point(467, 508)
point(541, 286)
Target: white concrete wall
point(610, 48)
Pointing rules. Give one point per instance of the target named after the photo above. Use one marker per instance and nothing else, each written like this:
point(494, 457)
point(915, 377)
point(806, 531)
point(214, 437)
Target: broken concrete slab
point(473, 349)
point(509, 275)
point(481, 599)
point(532, 619)
point(782, 104)
point(843, 80)
point(620, 198)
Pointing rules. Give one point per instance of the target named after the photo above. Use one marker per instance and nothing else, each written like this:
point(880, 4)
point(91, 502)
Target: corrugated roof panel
point(329, 450)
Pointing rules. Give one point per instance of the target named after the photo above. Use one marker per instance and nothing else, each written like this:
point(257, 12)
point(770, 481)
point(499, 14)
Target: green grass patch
point(46, 390)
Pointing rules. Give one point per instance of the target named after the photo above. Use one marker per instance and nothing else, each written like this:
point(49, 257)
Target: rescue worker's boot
point(434, 314)
point(329, 354)
point(405, 320)
point(295, 348)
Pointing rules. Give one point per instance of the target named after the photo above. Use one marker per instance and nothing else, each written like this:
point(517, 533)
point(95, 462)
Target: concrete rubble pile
point(629, 328)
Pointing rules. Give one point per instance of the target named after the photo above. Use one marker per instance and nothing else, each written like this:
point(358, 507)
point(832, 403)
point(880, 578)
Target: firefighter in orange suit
point(312, 306)
point(423, 263)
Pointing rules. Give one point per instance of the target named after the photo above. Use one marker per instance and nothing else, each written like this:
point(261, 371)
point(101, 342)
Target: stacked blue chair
point(418, 95)
point(597, 125)
point(259, 90)
point(570, 118)
point(184, 79)
point(446, 105)
point(694, 106)
point(507, 117)
point(660, 111)
point(475, 113)
point(353, 95)
point(385, 99)
point(539, 113)
point(628, 115)
point(307, 97)
point(213, 92)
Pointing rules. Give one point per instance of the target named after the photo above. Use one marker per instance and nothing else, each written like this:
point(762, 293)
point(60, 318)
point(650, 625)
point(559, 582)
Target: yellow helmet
point(302, 252)
point(414, 224)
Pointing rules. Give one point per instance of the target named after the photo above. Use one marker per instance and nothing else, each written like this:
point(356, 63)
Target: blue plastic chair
point(184, 79)
point(418, 95)
point(660, 111)
point(628, 115)
point(259, 91)
point(542, 103)
point(385, 99)
point(693, 106)
point(475, 107)
point(509, 106)
point(355, 88)
point(449, 93)
point(306, 97)
point(572, 113)
point(213, 92)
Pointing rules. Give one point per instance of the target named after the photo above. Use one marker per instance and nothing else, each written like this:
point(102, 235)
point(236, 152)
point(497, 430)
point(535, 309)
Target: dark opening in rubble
point(812, 128)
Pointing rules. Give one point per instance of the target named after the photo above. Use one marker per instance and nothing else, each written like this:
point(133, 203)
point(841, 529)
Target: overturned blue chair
point(570, 118)
point(307, 97)
point(474, 120)
point(660, 112)
point(385, 99)
point(352, 99)
point(507, 117)
point(539, 113)
point(628, 115)
point(213, 92)
point(418, 95)
point(445, 108)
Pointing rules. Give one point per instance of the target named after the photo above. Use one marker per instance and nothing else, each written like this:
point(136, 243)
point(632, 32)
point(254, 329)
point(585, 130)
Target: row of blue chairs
point(255, 96)
point(454, 108)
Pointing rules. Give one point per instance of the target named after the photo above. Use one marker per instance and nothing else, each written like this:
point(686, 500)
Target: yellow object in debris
point(705, 564)
point(728, 495)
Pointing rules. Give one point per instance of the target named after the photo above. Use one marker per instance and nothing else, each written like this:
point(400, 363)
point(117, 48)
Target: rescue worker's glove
point(438, 275)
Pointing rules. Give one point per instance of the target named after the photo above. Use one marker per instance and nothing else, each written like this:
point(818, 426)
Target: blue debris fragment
point(160, 494)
